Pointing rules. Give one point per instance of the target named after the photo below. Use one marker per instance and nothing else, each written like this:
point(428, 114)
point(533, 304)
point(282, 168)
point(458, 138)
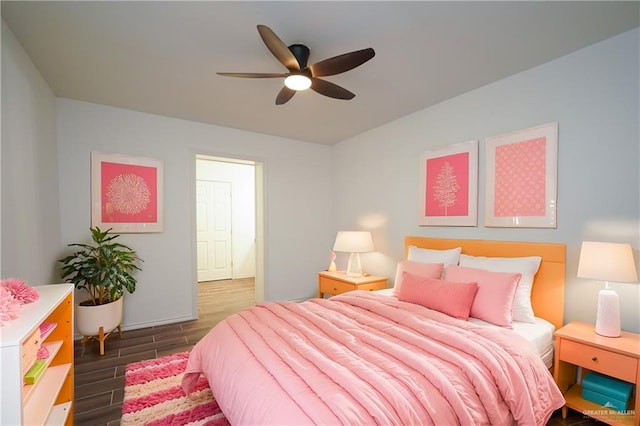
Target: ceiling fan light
point(297, 82)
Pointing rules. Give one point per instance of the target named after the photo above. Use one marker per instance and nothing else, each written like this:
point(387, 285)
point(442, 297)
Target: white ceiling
point(162, 57)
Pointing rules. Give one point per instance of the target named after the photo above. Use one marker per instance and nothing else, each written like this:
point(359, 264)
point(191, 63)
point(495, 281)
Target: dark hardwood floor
point(99, 380)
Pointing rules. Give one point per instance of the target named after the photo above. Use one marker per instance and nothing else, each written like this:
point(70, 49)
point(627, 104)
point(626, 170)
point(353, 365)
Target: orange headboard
point(547, 294)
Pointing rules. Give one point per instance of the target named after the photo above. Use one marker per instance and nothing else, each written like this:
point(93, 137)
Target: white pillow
point(527, 266)
point(422, 255)
point(429, 270)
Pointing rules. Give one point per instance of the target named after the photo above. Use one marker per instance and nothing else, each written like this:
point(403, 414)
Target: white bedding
point(540, 333)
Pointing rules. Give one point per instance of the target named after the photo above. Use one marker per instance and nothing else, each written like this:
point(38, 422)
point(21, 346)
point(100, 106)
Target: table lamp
point(608, 262)
point(354, 243)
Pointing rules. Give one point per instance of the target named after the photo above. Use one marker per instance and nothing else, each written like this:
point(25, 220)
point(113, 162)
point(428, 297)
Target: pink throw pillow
point(496, 291)
point(453, 299)
point(430, 270)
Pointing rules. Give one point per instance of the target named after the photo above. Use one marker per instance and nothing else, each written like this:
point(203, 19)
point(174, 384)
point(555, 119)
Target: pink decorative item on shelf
point(20, 291)
point(9, 306)
point(332, 264)
point(13, 294)
point(43, 353)
point(46, 328)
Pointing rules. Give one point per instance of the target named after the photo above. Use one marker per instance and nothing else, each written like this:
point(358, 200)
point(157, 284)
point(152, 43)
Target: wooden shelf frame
point(49, 401)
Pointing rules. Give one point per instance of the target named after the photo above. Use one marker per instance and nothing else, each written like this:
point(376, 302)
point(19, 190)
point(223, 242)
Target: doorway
point(229, 222)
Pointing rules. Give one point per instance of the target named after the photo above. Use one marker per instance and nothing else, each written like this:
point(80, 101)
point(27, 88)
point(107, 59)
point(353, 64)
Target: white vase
point(89, 319)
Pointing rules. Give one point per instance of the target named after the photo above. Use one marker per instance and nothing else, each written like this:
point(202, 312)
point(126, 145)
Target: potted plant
point(104, 270)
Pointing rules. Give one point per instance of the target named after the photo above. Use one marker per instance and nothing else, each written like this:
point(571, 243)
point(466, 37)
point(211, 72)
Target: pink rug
point(153, 395)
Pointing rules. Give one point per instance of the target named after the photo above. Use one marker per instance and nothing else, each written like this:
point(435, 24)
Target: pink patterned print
point(520, 180)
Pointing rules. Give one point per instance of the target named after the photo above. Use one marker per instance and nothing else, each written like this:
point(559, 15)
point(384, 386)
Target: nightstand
point(578, 345)
point(338, 282)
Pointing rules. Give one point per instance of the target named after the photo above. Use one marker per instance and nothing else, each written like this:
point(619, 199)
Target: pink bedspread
point(362, 358)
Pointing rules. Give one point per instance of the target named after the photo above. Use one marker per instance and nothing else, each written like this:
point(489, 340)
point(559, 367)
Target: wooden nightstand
point(338, 282)
point(578, 345)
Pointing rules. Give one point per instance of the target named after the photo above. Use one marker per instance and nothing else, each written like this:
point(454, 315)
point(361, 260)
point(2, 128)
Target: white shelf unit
point(49, 401)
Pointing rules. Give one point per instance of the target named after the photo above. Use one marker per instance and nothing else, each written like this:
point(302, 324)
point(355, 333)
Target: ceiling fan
point(301, 76)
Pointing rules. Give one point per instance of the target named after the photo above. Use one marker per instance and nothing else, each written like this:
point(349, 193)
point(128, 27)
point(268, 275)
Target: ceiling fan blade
point(284, 95)
point(331, 90)
point(278, 48)
point(341, 63)
point(251, 74)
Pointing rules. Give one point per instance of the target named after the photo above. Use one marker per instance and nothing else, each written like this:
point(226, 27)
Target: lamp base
point(608, 316)
point(354, 269)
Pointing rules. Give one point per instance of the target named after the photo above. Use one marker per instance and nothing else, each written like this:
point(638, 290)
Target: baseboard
point(139, 325)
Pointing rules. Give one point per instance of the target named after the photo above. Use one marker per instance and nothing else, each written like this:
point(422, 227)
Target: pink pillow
point(430, 270)
point(453, 299)
point(496, 290)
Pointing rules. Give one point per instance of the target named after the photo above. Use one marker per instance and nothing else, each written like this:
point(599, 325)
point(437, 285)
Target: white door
point(213, 202)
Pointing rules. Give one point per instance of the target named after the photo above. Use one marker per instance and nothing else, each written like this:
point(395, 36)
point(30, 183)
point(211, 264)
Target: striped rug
point(153, 395)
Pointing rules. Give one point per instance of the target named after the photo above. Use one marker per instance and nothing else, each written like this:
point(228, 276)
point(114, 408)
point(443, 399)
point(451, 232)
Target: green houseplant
point(104, 270)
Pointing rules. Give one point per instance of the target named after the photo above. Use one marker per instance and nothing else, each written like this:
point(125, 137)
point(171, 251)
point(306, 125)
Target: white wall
point(592, 93)
point(243, 209)
point(297, 193)
point(30, 213)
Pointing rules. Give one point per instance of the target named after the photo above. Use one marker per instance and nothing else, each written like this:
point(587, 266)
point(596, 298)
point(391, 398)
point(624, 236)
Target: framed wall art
point(449, 186)
point(126, 193)
point(521, 175)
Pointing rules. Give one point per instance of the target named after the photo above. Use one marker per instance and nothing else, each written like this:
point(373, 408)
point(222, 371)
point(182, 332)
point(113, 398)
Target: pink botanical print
point(447, 185)
point(520, 179)
point(129, 193)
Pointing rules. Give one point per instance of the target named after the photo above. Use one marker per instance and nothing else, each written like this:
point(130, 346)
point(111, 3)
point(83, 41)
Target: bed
point(367, 358)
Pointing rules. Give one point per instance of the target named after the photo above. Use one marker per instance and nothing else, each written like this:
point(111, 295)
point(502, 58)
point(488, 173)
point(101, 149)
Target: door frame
point(260, 185)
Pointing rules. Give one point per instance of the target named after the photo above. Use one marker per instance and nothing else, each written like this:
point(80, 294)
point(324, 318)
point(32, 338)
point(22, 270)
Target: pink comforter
point(363, 358)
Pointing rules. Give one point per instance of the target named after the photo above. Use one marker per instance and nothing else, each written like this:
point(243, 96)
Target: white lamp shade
point(611, 262)
point(607, 262)
point(354, 242)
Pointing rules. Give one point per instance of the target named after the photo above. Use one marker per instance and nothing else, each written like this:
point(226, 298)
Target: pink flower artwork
point(520, 179)
point(129, 193)
point(447, 185)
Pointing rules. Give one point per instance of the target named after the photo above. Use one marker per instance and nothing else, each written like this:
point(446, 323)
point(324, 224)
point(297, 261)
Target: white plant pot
point(89, 319)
